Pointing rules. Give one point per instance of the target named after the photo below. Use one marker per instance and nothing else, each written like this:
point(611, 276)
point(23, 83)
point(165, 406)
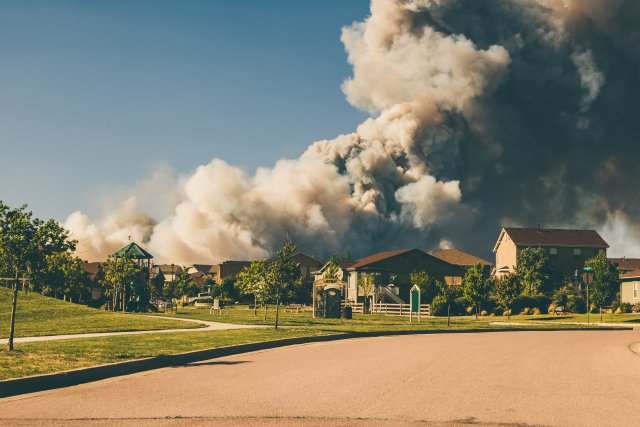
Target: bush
point(614, 305)
point(484, 313)
point(439, 307)
point(526, 311)
point(535, 311)
point(625, 307)
point(635, 308)
point(552, 308)
point(525, 301)
point(576, 305)
point(561, 297)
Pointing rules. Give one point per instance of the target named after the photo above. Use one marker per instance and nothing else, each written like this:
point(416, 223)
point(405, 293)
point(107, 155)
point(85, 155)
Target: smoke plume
point(483, 114)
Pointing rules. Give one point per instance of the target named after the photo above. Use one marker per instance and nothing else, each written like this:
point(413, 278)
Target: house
point(391, 270)
point(219, 272)
point(199, 268)
point(567, 249)
point(169, 271)
point(308, 265)
point(630, 287)
point(464, 261)
point(625, 265)
point(96, 275)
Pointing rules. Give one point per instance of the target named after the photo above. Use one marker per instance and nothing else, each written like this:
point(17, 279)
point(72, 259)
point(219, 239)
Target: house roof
point(133, 250)
point(341, 264)
point(378, 257)
point(92, 268)
point(166, 269)
point(202, 268)
point(456, 257)
point(552, 237)
point(631, 275)
point(626, 263)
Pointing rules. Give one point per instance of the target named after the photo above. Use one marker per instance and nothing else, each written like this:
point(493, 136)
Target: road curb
point(35, 383)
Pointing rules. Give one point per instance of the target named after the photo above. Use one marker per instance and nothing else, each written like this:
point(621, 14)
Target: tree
point(428, 288)
point(63, 274)
point(185, 285)
point(25, 242)
point(447, 294)
point(507, 290)
point(533, 269)
point(252, 280)
point(475, 287)
point(283, 275)
point(604, 281)
point(366, 284)
point(121, 276)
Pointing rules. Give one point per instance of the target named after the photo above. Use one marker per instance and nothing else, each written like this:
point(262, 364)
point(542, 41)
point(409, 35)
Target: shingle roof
point(377, 257)
point(456, 257)
point(202, 268)
point(626, 263)
point(631, 275)
point(555, 237)
point(92, 268)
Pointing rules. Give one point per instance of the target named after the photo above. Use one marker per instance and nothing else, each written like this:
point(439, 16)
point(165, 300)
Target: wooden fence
point(390, 309)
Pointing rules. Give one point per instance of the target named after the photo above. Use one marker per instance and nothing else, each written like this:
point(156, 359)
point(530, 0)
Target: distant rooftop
point(457, 257)
point(553, 237)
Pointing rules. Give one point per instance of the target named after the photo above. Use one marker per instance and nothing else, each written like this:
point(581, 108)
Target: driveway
point(568, 378)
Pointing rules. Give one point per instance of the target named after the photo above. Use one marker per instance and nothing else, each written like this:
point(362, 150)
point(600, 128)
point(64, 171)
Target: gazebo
point(143, 258)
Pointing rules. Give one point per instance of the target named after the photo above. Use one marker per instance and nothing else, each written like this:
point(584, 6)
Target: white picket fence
point(390, 309)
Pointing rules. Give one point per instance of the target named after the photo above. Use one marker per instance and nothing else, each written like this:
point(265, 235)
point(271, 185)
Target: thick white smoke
point(406, 176)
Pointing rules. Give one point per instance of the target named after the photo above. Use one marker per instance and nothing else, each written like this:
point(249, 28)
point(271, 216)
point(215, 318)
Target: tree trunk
point(277, 310)
point(265, 312)
point(255, 305)
point(448, 314)
point(476, 312)
point(508, 313)
point(12, 326)
point(600, 314)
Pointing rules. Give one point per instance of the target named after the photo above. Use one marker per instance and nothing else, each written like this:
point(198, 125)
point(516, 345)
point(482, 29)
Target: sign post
point(414, 302)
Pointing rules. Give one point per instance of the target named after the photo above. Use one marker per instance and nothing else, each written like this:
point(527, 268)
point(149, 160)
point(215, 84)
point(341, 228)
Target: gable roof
point(202, 268)
point(166, 269)
point(456, 257)
point(625, 263)
point(92, 268)
point(378, 257)
point(552, 237)
point(135, 251)
point(631, 275)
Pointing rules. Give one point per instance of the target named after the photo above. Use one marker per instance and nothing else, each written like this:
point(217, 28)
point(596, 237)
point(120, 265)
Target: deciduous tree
point(475, 286)
point(533, 269)
point(604, 281)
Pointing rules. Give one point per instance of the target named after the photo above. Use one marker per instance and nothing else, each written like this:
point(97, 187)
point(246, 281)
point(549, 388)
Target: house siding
point(506, 254)
point(626, 292)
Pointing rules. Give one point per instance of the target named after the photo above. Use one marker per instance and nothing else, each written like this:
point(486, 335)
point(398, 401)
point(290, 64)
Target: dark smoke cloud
point(484, 113)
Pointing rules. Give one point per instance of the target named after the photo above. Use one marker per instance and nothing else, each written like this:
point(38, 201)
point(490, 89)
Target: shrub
point(483, 313)
point(552, 308)
point(526, 311)
point(525, 301)
point(614, 305)
point(469, 310)
point(439, 307)
point(635, 308)
point(576, 305)
point(625, 307)
point(535, 311)
point(618, 311)
point(561, 297)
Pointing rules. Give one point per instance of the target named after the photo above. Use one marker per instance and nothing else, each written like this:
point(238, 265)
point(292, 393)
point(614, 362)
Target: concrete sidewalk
point(209, 326)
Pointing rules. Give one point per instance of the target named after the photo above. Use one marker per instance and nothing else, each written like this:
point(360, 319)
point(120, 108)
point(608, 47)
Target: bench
point(295, 307)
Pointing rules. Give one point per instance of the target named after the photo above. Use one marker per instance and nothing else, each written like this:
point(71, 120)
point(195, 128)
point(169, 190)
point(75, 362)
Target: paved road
point(568, 378)
point(209, 326)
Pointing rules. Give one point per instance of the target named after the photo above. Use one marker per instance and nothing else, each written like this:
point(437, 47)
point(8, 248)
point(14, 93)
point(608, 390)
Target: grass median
point(37, 315)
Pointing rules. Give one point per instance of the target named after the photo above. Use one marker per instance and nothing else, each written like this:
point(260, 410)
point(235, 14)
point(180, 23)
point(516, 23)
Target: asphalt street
point(567, 378)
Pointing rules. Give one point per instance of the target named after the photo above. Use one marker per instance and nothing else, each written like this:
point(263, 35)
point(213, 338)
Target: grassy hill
point(39, 315)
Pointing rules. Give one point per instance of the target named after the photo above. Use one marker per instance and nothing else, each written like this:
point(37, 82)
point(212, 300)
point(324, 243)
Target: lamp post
point(588, 271)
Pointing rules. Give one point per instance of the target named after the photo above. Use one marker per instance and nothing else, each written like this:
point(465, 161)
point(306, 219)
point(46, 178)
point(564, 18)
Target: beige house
point(567, 249)
point(630, 287)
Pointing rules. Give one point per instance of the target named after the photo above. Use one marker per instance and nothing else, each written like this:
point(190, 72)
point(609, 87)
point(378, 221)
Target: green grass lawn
point(37, 315)
point(52, 356)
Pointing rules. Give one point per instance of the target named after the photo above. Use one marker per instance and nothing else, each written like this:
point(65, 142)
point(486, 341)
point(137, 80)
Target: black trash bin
point(347, 312)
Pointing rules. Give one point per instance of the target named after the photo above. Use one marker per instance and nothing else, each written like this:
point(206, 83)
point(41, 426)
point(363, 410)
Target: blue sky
point(95, 94)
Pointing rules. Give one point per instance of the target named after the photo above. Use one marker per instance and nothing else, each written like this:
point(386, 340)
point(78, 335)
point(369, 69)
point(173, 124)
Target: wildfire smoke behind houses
point(481, 113)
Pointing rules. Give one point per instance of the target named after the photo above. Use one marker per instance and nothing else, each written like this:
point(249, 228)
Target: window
point(635, 290)
point(577, 252)
point(553, 251)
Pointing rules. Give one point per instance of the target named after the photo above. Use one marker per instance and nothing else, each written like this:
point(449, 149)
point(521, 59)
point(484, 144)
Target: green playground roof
point(134, 251)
